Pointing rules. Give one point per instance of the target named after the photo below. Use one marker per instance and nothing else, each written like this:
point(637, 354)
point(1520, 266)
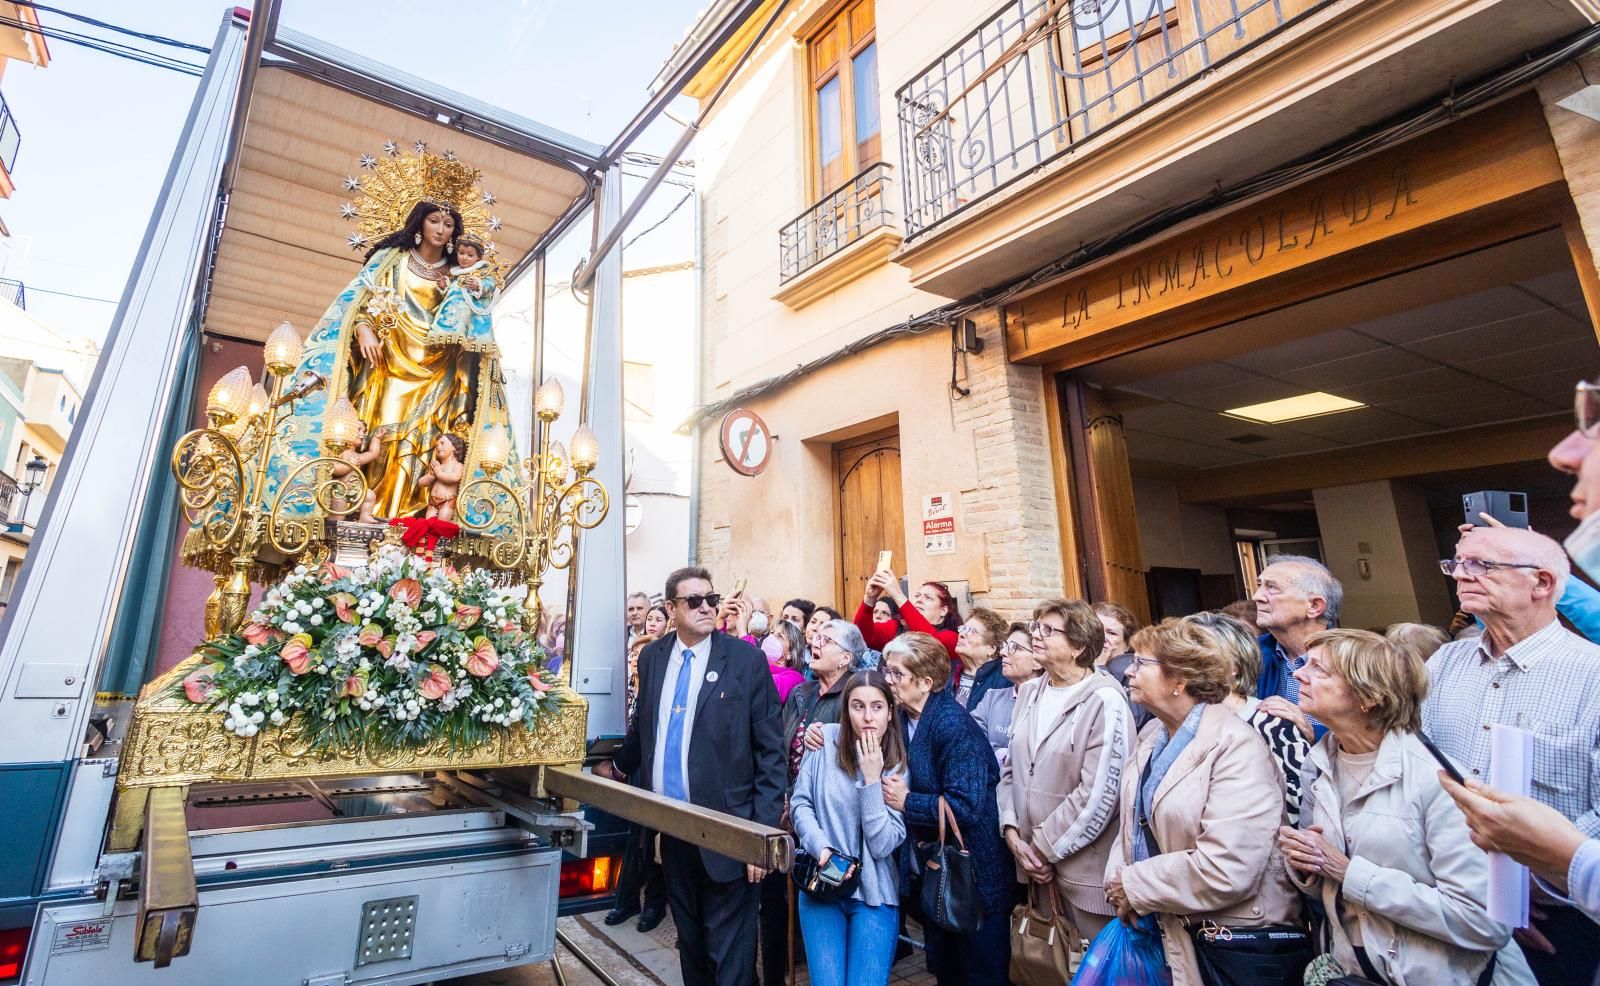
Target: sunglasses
point(711, 599)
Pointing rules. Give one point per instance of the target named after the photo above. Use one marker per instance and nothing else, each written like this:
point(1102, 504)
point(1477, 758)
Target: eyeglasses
point(1586, 407)
point(711, 599)
point(1043, 630)
point(1476, 568)
point(968, 630)
point(1013, 647)
point(891, 673)
point(823, 639)
point(1144, 662)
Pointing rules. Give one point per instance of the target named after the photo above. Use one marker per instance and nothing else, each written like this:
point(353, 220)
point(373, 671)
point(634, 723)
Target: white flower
point(291, 626)
point(276, 717)
point(318, 603)
point(228, 724)
point(251, 650)
point(257, 717)
point(272, 698)
point(316, 618)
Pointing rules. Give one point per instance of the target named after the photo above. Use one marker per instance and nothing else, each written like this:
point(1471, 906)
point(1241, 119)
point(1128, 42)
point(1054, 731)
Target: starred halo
point(389, 188)
point(421, 147)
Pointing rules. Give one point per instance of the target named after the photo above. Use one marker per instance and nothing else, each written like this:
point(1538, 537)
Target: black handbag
point(1268, 955)
point(806, 876)
point(949, 880)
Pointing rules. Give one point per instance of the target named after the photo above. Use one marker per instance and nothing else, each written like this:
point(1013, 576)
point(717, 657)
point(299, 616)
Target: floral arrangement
point(394, 654)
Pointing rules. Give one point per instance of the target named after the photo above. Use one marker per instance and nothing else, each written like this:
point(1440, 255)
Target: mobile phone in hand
point(834, 870)
point(885, 559)
point(1444, 761)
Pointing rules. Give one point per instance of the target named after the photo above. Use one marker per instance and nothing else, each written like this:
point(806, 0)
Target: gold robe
point(415, 391)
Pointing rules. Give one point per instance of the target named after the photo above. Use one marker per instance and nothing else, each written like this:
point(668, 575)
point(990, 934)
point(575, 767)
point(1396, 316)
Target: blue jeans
point(848, 943)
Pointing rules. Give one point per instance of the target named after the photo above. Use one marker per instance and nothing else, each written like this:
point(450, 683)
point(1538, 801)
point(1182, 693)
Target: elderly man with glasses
point(1528, 671)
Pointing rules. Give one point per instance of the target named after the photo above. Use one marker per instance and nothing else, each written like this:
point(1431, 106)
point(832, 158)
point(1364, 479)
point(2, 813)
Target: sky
point(98, 131)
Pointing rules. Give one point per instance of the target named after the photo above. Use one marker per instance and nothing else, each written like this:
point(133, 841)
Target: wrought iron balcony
point(844, 216)
point(1041, 76)
point(10, 136)
point(9, 494)
point(14, 292)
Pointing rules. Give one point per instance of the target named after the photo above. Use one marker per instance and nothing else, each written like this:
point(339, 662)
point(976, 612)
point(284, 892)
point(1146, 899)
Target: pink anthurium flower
point(466, 616)
point(483, 660)
point(370, 635)
point(536, 683)
point(408, 591)
point(354, 686)
point(198, 687)
point(256, 633)
point(344, 606)
point(386, 646)
point(436, 685)
point(296, 653)
point(333, 573)
point(425, 637)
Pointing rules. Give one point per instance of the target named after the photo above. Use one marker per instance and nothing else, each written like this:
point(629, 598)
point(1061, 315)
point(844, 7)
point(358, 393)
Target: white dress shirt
point(669, 684)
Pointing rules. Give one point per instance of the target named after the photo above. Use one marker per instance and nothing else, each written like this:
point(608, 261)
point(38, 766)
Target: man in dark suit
point(707, 732)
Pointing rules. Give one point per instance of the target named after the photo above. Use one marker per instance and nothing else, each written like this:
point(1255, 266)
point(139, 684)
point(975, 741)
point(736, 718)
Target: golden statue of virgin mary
point(377, 345)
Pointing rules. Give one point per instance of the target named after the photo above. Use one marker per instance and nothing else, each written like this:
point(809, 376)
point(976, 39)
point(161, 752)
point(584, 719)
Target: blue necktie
point(672, 767)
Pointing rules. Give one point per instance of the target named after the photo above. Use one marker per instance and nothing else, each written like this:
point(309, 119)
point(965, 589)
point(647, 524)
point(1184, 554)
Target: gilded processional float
point(369, 481)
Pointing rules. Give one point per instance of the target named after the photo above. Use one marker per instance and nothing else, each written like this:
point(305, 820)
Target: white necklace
point(433, 266)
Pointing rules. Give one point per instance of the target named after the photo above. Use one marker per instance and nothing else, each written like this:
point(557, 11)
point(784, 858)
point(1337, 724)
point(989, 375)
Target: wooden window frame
point(835, 16)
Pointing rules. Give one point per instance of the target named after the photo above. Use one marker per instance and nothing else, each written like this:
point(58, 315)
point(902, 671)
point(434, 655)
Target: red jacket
point(879, 634)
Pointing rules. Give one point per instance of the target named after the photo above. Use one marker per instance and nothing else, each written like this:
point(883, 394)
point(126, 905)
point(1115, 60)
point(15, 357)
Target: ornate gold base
point(174, 743)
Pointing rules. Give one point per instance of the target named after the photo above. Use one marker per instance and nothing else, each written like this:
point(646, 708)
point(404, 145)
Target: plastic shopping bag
point(1124, 956)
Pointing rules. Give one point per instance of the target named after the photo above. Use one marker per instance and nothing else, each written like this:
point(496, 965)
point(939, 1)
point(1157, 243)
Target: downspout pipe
point(263, 21)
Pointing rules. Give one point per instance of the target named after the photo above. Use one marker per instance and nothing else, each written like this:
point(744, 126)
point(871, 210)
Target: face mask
point(1583, 544)
point(758, 623)
point(772, 647)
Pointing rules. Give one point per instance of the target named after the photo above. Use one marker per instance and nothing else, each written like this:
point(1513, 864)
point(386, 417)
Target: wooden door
point(1102, 491)
point(871, 513)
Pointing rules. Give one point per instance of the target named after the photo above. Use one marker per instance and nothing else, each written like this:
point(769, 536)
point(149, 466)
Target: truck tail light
point(13, 948)
point(595, 875)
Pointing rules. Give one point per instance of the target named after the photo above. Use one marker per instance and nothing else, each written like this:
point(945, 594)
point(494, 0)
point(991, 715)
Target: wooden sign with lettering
point(1479, 161)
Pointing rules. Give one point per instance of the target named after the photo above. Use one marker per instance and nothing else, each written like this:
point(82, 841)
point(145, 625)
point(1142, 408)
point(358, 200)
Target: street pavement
point(634, 959)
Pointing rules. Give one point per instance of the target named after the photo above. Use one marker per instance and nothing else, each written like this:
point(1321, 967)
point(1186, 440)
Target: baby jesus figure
point(357, 457)
point(463, 318)
point(444, 474)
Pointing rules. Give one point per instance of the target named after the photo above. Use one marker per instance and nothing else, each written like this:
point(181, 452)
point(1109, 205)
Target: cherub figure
point(358, 456)
point(444, 474)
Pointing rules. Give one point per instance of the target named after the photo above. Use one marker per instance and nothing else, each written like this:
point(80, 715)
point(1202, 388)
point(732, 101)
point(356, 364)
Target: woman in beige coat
point(1212, 797)
point(1071, 735)
point(1381, 841)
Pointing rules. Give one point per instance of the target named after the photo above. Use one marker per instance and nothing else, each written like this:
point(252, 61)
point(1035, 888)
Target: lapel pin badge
point(711, 676)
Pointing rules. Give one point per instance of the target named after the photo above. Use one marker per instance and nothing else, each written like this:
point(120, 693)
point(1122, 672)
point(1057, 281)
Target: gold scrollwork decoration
point(582, 505)
point(299, 508)
point(502, 506)
point(211, 483)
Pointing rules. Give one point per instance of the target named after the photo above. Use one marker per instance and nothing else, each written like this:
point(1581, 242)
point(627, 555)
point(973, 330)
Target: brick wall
point(1013, 505)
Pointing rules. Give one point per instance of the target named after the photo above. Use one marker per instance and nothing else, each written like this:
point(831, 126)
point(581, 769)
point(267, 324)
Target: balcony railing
point(844, 216)
point(1041, 76)
point(9, 493)
point(14, 292)
point(10, 136)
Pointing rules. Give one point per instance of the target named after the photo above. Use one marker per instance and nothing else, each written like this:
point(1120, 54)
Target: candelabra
point(223, 477)
point(563, 499)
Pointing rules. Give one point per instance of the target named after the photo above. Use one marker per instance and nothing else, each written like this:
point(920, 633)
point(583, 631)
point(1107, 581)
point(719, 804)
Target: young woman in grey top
point(838, 806)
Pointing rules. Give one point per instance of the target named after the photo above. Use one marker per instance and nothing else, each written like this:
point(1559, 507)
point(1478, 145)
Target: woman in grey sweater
point(838, 806)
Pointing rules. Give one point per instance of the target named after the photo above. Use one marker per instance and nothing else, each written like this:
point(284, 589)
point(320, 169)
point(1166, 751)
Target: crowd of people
point(1254, 788)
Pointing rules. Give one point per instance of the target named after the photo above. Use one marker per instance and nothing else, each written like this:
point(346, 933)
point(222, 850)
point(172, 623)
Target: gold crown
point(396, 182)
